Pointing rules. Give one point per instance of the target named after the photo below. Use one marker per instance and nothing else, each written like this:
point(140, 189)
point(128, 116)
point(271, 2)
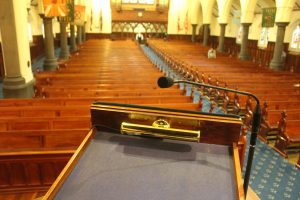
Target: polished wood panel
point(37, 48)
point(132, 16)
point(31, 170)
point(214, 129)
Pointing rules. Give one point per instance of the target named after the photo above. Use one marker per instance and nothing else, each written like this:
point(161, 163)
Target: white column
point(18, 80)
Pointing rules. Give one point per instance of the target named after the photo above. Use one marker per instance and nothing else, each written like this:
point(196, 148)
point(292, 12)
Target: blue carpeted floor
point(39, 63)
point(272, 177)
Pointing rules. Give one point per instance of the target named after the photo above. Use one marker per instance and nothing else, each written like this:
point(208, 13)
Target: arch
point(247, 8)
point(294, 24)
point(294, 41)
point(139, 28)
point(224, 10)
point(284, 10)
point(195, 9)
point(207, 10)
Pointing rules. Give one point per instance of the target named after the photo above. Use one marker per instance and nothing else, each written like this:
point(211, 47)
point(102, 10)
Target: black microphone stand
point(254, 130)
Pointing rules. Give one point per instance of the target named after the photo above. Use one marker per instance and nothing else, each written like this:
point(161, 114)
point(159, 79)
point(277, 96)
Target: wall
point(255, 28)
point(35, 21)
point(98, 16)
point(261, 57)
point(179, 19)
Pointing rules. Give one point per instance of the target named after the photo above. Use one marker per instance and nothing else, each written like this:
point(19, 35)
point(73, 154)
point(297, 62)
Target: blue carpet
point(38, 65)
point(272, 176)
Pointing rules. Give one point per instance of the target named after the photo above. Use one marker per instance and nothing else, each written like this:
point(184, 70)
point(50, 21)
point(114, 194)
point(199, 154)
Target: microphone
point(166, 82)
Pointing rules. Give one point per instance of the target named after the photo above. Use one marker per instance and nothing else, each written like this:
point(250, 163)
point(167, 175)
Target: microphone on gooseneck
point(166, 82)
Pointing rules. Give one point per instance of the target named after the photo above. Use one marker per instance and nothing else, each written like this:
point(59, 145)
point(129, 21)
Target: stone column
point(244, 55)
point(83, 32)
point(79, 35)
point(18, 81)
point(222, 38)
point(73, 45)
point(276, 62)
point(64, 48)
point(205, 34)
point(50, 62)
point(194, 26)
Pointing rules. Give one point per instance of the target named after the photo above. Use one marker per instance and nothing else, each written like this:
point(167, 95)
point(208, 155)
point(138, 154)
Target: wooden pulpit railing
point(154, 153)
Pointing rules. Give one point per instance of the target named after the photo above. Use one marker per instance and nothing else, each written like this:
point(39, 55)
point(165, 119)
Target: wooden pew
point(49, 123)
point(51, 127)
point(280, 89)
point(41, 139)
point(288, 137)
point(60, 91)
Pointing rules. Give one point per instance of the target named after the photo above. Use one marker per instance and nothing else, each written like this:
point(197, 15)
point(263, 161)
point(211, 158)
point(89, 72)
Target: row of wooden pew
point(38, 136)
point(279, 92)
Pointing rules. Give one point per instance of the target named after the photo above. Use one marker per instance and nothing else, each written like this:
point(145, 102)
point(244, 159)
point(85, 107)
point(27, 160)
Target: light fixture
point(140, 14)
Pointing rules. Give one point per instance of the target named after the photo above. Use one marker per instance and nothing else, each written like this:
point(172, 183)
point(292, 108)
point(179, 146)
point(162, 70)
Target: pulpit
point(138, 152)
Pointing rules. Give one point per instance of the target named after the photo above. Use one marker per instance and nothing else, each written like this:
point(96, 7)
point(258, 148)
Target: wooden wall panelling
point(293, 62)
point(31, 170)
point(37, 48)
point(98, 36)
point(259, 56)
point(180, 37)
point(125, 29)
point(132, 15)
point(41, 139)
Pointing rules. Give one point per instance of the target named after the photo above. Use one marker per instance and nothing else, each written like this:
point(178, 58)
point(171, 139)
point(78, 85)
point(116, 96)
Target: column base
point(244, 57)
point(193, 40)
point(50, 64)
point(73, 49)
point(16, 87)
point(64, 55)
point(220, 49)
point(276, 65)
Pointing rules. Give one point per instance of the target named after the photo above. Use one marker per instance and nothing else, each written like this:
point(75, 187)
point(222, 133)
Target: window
point(295, 43)
point(239, 35)
point(263, 38)
point(29, 30)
